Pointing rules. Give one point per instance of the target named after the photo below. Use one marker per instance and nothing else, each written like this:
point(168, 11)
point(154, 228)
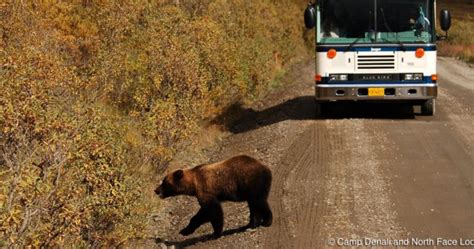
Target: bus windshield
point(394, 21)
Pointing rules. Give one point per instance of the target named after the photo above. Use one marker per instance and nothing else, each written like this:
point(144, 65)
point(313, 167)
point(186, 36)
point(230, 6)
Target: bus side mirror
point(445, 20)
point(310, 16)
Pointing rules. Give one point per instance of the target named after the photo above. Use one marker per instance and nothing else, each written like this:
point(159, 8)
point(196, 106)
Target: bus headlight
point(338, 77)
point(413, 76)
point(418, 76)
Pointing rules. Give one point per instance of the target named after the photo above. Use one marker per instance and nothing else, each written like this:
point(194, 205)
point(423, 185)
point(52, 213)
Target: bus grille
point(386, 61)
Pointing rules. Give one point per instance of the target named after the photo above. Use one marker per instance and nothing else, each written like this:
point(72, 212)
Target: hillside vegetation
point(460, 43)
point(97, 96)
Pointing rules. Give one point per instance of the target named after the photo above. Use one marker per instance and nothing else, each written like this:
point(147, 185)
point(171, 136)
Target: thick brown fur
point(238, 179)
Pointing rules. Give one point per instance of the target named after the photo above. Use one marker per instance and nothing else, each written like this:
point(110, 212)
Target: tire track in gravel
point(306, 178)
point(283, 231)
point(299, 187)
point(310, 179)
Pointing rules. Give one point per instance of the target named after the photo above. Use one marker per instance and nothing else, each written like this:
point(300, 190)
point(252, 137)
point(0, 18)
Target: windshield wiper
point(402, 46)
point(352, 44)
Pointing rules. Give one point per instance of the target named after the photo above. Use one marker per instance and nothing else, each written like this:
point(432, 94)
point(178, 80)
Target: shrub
point(460, 42)
point(97, 96)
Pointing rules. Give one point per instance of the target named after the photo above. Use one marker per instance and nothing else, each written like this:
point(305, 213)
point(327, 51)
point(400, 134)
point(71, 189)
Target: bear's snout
point(159, 192)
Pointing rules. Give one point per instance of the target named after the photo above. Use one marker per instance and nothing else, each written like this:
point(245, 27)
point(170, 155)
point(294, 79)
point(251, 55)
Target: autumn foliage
point(97, 95)
point(460, 42)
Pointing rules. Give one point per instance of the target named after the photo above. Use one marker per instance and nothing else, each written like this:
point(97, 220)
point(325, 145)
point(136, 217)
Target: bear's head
point(172, 185)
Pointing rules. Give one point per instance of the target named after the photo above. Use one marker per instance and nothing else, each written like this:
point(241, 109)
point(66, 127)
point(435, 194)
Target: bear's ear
point(177, 175)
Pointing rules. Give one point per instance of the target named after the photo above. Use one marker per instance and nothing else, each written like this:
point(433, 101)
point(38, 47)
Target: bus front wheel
point(428, 107)
point(321, 108)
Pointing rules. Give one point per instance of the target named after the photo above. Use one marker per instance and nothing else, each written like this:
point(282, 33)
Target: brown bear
point(238, 179)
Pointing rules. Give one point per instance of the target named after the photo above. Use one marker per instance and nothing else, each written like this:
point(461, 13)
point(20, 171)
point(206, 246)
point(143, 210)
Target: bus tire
point(320, 108)
point(428, 108)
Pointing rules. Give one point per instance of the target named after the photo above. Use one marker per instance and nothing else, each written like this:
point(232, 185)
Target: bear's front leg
point(200, 218)
point(217, 217)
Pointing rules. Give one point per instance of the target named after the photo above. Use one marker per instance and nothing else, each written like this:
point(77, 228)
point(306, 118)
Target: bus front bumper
point(334, 92)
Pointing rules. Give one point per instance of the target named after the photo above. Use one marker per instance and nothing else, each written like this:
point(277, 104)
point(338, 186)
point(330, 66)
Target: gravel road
point(374, 171)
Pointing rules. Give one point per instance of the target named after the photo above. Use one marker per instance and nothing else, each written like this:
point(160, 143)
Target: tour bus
point(376, 50)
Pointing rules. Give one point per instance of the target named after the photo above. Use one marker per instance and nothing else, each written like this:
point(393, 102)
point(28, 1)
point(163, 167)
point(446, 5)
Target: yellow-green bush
point(460, 42)
point(97, 96)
